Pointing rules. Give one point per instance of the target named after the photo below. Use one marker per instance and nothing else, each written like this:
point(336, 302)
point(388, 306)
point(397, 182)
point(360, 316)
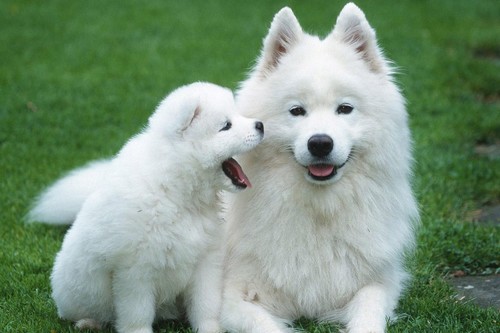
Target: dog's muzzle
point(320, 146)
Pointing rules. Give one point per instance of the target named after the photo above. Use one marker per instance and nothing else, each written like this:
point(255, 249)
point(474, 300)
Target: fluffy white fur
point(148, 231)
point(321, 237)
point(62, 201)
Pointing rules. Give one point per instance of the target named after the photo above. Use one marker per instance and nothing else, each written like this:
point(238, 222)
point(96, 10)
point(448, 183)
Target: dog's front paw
point(209, 326)
point(367, 330)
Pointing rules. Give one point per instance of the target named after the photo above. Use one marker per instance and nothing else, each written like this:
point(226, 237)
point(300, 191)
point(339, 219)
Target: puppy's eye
point(297, 111)
point(226, 127)
point(345, 108)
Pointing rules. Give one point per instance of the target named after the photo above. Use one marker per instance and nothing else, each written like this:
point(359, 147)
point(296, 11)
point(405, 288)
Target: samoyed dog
point(148, 232)
point(324, 233)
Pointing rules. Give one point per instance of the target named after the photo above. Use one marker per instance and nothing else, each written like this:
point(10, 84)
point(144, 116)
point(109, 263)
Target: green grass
point(77, 78)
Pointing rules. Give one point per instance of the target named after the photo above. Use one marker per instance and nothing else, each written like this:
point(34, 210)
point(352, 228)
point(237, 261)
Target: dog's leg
point(205, 293)
point(134, 302)
point(369, 308)
point(240, 315)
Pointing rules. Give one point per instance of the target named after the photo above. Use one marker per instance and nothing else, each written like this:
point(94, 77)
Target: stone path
point(486, 215)
point(482, 290)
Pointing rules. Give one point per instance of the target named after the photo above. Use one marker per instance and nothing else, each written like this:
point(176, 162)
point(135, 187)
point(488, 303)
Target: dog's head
point(327, 102)
point(200, 121)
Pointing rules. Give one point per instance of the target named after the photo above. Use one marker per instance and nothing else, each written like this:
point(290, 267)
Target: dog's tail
point(61, 202)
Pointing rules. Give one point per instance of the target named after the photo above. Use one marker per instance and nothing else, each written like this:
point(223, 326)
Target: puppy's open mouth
point(234, 172)
point(323, 171)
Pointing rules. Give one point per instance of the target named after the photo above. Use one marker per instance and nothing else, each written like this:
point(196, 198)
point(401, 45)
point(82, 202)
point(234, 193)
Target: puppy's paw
point(88, 324)
point(250, 294)
point(141, 330)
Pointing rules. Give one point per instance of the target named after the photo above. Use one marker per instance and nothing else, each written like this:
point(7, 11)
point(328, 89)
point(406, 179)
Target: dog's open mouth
point(323, 171)
point(233, 171)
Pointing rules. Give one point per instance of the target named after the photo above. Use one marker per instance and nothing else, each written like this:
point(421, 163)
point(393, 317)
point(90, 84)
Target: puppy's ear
point(175, 113)
point(284, 33)
point(191, 116)
point(353, 29)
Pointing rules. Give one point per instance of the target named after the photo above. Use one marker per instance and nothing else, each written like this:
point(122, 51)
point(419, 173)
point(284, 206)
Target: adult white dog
point(149, 230)
point(324, 232)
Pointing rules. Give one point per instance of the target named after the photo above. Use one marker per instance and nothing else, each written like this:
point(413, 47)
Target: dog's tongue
point(321, 170)
point(233, 170)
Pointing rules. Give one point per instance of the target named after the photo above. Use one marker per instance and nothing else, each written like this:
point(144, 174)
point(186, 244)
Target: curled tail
point(61, 202)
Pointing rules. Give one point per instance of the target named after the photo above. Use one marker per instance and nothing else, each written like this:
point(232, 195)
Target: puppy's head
point(201, 121)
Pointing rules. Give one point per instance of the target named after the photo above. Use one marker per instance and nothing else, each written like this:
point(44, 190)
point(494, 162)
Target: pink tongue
point(237, 172)
point(321, 170)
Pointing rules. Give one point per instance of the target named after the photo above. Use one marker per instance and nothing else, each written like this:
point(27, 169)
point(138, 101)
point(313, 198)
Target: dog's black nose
point(320, 145)
point(259, 126)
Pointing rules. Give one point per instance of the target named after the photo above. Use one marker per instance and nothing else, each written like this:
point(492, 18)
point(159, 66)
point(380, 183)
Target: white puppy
point(324, 232)
point(149, 230)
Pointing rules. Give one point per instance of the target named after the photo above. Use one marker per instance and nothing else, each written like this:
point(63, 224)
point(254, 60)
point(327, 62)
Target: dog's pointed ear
point(353, 29)
point(284, 33)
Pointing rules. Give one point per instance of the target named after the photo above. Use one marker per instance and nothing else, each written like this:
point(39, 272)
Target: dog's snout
point(259, 126)
point(320, 145)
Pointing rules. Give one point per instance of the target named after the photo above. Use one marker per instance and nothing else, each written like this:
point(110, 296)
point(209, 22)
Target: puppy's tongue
point(321, 170)
point(233, 171)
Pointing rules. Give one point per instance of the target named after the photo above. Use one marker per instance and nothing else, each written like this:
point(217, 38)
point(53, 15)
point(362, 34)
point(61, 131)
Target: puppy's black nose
point(320, 145)
point(259, 126)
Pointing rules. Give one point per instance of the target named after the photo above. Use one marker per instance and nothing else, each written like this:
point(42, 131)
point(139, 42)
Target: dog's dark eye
point(226, 127)
point(297, 111)
point(345, 108)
